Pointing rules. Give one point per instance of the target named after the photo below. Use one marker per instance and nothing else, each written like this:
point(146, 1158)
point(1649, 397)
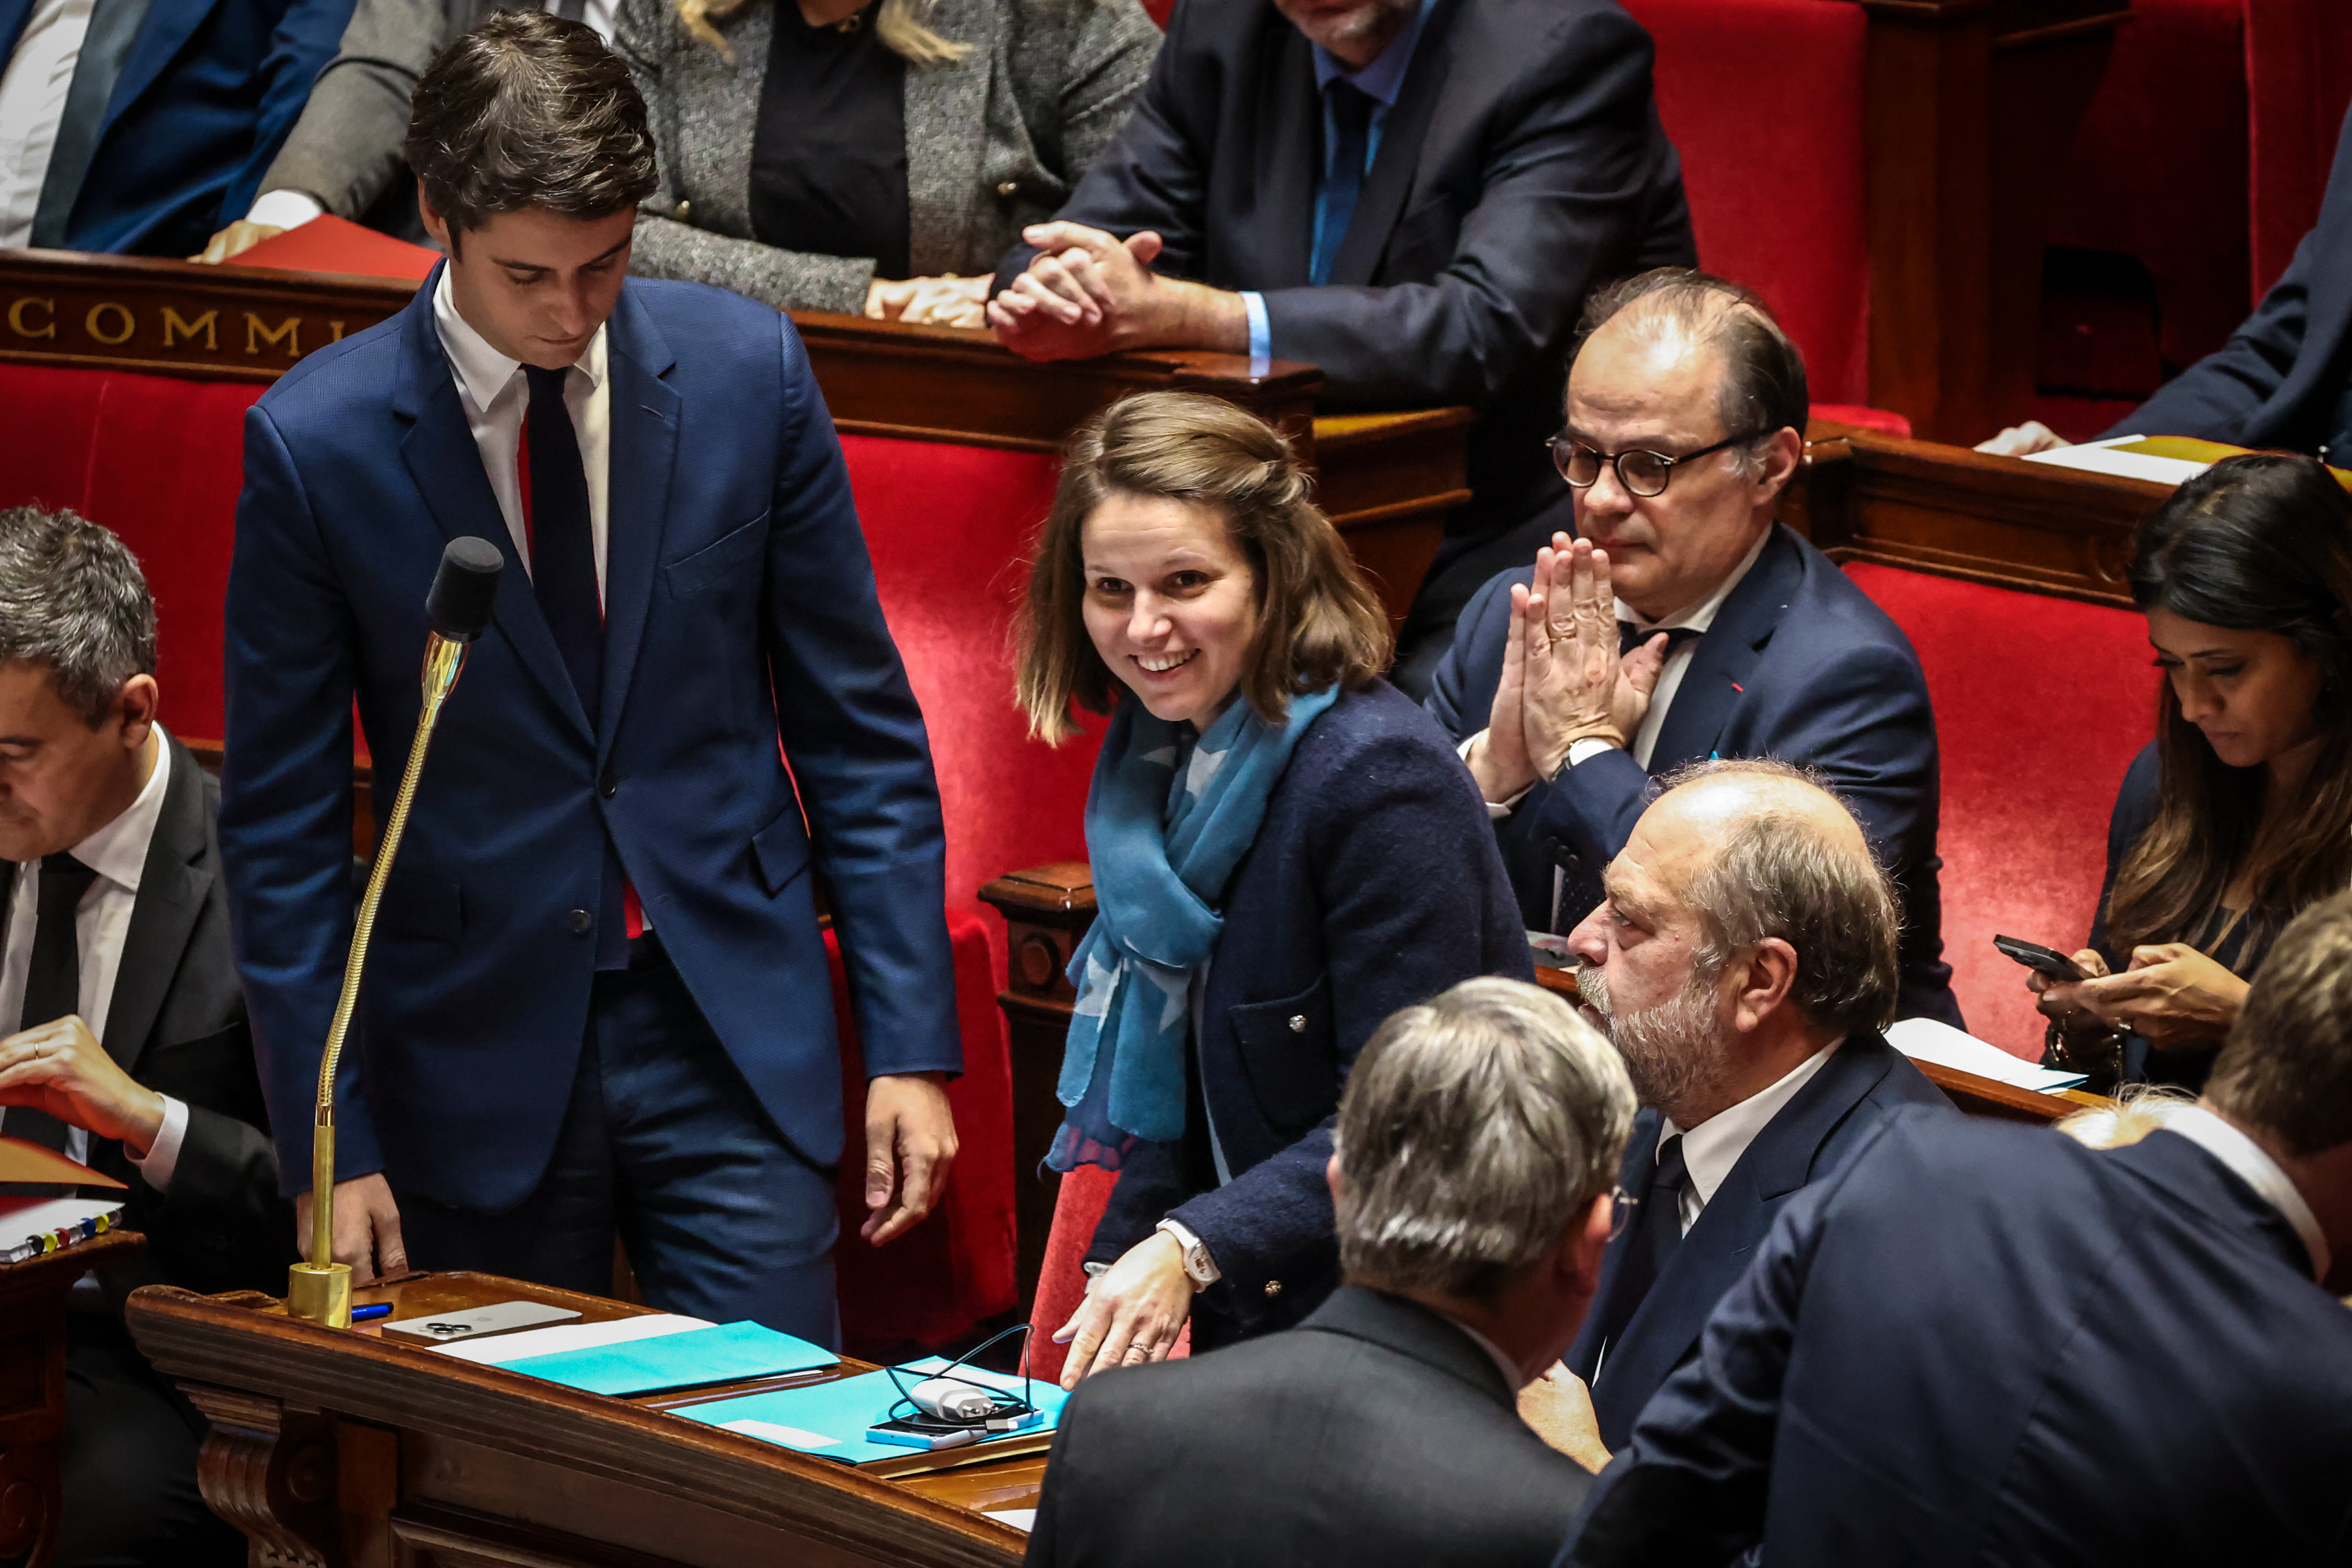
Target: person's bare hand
point(948, 300)
point(235, 240)
point(1133, 1312)
point(1086, 293)
point(61, 1068)
point(2169, 994)
point(1559, 1407)
point(1498, 757)
point(1577, 686)
point(2019, 440)
point(367, 1228)
point(910, 1146)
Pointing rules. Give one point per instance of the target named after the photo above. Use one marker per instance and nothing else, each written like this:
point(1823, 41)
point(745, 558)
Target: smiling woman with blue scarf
point(1284, 851)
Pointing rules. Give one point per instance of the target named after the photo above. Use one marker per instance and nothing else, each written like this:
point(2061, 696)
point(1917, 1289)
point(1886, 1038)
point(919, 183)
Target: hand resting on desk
point(1087, 293)
point(1132, 1313)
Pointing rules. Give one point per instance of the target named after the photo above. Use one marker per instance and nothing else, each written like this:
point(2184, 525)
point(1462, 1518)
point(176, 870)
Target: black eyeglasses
point(1642, 472)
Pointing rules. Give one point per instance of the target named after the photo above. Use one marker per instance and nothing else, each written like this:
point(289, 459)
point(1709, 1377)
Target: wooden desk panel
point(33, 1391)
point(345, 1448)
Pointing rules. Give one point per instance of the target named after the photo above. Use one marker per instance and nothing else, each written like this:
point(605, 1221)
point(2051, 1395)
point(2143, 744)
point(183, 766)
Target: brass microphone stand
point(320, 1289)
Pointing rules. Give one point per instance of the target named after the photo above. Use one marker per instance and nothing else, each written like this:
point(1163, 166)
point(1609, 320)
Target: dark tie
point(113, 25)
point(571, 10)
point(53, 979)
point(1343, 175)
point(1648, 1242)
point(1630, 637)
point(563, 577)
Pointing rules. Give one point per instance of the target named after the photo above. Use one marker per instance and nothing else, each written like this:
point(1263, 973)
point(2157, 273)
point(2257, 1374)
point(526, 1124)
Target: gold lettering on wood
point(175, 331)
point(98, 313)
point(287, 332)
point(16, 318)
point(337, 328)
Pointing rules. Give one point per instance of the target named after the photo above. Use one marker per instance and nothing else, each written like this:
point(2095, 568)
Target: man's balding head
point(1745, 924)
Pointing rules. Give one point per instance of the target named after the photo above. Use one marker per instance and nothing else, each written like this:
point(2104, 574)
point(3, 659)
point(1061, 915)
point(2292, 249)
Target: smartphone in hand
point(2047, 960)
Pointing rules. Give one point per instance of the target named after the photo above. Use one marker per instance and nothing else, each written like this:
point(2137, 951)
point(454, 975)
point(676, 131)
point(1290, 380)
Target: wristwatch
point(1199, 1266)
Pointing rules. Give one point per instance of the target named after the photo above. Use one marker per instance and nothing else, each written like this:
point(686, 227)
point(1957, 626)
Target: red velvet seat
point(2040, 705)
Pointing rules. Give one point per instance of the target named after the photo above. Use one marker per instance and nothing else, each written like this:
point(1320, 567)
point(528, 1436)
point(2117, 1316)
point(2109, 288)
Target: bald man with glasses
point(1685, 623)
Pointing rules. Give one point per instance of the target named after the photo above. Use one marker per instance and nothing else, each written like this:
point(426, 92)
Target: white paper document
point(570, 1337)
point(1021, 1519)
point(1926, 1040)
point(2104, 458)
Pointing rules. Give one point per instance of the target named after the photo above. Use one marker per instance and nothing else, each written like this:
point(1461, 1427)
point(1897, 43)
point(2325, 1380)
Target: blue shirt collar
point(1380, 80)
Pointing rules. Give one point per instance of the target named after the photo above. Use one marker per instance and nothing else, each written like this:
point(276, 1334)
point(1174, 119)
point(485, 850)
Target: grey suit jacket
point(345, 150)
point(994, 141)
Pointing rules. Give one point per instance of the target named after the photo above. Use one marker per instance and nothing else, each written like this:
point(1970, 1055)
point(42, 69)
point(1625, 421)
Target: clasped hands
point(1563, 679)
point(1088, 293)
point(2170, 995)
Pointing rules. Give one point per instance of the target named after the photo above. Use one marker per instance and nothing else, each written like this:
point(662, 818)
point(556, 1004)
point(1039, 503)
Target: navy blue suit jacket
point(1799, 664)
point(1984, 1343)
point(1864, 1081)
point(739, 606)
point(1522, 166)
point(2276, 382)
point(1373, 884)
point(208, 93)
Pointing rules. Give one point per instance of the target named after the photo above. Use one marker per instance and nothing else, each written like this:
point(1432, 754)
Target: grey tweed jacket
point(994, 141)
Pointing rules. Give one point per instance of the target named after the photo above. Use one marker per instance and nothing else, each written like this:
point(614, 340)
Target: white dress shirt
point(292, 209)
point(2252, 1164)
point(496, 396)
point(33, 91)
point(118, 853)
point(1713, 1147)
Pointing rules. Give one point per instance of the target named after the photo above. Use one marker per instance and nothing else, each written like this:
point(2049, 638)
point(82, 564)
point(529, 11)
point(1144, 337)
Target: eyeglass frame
point(1609, 460)
point(1621, 1205)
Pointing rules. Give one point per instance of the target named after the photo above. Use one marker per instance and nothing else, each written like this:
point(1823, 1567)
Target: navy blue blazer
point(2277, 380)
point(1864, 1081)
point(205, 97)
point(1985, 1344)
point(1522, 166)
point(1373, 884)
point(740, 608)
point(1799, 664)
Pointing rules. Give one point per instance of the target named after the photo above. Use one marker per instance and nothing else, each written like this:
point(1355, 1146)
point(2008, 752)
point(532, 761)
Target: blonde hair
point(904, 27)
point(1318, 621)
point(2139, 1109)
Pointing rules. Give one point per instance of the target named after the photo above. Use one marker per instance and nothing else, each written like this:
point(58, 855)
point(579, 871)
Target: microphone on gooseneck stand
point(458, 610)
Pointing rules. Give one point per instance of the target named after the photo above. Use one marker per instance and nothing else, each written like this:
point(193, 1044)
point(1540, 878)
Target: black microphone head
point(458, 606)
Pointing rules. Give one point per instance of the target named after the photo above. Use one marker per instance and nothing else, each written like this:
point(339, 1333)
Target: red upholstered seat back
point(159, 462)
point(2040, 705)
point(1764, 100)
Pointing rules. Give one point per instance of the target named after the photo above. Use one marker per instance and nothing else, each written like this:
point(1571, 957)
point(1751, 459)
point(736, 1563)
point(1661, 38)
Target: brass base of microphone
point(320, 1293)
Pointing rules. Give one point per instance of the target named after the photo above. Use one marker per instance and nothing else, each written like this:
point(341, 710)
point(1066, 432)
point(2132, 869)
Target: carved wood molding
point(269, 1358)
point(270, 1471)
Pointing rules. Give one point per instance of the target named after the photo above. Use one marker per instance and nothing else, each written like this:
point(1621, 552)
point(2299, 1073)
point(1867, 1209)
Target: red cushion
point(2040, 705)
point(955, 1268)
point(1764, 100)
point(1885, 420)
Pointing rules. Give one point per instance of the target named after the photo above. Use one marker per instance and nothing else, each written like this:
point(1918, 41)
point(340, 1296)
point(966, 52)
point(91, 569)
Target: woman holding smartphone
point(1285, 852)
point(2239, 815)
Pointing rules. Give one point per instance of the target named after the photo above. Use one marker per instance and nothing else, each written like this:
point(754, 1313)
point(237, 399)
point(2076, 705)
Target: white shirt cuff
point(163, 1158)
point(1496, 811)
point(1261, 331)
point(285, 209)
point(1584, 750)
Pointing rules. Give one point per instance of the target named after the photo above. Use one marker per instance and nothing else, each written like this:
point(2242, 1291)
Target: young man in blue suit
point(1984, 1343)
point(1685, 623)
point(1743, 961)
point(139, 126)
point(597, 998)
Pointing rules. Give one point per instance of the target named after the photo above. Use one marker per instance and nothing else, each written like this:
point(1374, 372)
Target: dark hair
point(528, 110)
point(1763, 389)
point(72, 598)
point(1774, 875)
point(2258, 543)
point(2287, 1068)
point(1318, 620)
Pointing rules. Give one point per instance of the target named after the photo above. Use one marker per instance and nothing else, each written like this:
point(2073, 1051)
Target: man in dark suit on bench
point(1685, 623)
point(1985, 1344)
point(1477, 1143)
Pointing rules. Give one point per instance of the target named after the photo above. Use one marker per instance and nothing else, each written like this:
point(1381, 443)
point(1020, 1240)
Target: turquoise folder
point(723, 1354)
point(829, 1419)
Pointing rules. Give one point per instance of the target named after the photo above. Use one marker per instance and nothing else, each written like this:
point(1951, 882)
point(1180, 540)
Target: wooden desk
point(33, 1390)
point(1387, 480)
point(345, 1448)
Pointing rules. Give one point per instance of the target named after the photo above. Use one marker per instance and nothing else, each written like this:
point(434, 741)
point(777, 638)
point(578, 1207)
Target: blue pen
point(372, 1312)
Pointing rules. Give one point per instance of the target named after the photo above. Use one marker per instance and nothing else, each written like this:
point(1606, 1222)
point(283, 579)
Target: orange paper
point(24, 1162)
point(330, 244)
